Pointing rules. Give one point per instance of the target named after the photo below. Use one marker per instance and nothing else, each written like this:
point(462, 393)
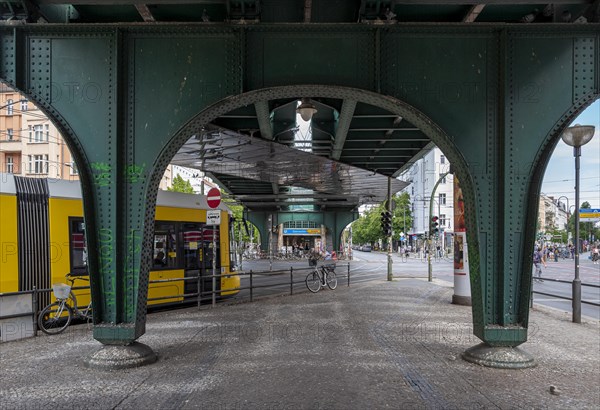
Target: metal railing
point(196, 297)
point(587, 302)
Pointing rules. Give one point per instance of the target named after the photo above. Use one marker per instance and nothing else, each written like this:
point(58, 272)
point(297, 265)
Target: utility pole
point(429, 267)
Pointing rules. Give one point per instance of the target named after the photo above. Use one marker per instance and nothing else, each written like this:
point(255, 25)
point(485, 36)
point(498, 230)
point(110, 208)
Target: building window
point(30, 134)
point(9, 107)
point(47, 132)
point(9, 134)
point(442, 219)
point(23, 105)
point(10, 165)
point(443, 179)
point(301, 225)
point(442, 199)
point(442, 159)
point(78, 248)
point(38, 164)
point(73, 168)
point(38, 135)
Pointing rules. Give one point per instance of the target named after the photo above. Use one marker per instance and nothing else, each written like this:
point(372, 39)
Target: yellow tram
point(42, 237)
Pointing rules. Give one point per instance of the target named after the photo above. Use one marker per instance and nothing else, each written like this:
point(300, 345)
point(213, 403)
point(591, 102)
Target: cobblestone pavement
point(375, 345)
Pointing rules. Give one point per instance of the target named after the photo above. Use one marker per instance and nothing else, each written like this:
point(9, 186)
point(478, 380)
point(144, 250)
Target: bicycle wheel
point(331, 279)
point(55, 318)
point(313, 282)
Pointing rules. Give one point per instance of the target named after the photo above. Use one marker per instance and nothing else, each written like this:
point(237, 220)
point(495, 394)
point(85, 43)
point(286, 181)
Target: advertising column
point(462, 283)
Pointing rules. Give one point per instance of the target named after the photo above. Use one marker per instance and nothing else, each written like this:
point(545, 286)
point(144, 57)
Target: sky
point(559, 178)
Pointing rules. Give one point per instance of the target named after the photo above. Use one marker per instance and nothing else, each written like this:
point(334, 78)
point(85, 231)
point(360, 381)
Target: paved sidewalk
point(374, 345)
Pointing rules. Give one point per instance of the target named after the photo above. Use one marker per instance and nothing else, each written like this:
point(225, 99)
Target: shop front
point(301, 240)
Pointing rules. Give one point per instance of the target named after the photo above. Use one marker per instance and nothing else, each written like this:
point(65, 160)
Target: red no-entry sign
point(213, 198)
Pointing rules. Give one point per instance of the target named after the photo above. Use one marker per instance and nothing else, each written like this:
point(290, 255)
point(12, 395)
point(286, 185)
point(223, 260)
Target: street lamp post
point(576, 137)
point(568, 207)
point(572, 212)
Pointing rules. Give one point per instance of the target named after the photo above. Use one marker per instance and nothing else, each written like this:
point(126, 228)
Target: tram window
point(192, 245)
point(77, 246)
point(164, 253)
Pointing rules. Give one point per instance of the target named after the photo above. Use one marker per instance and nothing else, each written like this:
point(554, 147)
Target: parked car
point(366, 248)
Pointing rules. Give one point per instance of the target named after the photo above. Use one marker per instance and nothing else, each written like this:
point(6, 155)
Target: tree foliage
point(586, 229)
point(367, 228)
point(181, 185)
point(240, 228)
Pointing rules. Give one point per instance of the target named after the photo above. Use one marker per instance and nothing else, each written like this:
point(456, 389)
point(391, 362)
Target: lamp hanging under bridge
point(306, 109)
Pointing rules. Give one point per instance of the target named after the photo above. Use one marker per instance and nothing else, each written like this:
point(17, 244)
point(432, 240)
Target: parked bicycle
point(57, 316)
point(320, 277)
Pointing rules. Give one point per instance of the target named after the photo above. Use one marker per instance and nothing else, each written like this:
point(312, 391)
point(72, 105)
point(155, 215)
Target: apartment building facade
point(30, 145)
point(423, 176)
point(552, 214)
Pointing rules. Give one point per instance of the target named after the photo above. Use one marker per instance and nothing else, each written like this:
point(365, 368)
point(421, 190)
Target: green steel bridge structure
point(215, 85)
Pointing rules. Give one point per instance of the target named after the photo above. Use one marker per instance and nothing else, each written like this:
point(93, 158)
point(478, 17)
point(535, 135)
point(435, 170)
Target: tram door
point(198, 256)
point(192, 254)
point(207, 259)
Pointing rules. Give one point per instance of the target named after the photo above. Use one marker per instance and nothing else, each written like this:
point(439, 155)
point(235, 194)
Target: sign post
point(213, 217)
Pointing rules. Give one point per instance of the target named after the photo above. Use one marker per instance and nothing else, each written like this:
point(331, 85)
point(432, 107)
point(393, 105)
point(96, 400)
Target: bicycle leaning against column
point(57, 316)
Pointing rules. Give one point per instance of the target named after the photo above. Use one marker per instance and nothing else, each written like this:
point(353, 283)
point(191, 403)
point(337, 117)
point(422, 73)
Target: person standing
point(538, 259)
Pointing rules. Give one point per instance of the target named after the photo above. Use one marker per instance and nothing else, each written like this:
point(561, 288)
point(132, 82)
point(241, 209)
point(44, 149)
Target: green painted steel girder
point(494, 99)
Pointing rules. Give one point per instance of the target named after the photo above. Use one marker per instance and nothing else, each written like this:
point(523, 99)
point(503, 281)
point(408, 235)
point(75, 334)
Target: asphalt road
point(369, 266)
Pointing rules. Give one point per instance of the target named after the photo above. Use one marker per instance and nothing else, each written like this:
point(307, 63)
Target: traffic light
point(434, 226)
point(386, 223)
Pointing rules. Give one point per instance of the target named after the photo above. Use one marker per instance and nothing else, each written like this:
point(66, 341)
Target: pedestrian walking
point(596, 255)
point(537, 261)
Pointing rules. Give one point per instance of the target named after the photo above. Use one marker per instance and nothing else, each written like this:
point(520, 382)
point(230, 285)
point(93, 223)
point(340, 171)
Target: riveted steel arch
point(394, 105)
point(391, 104)
point(538, 169)
point(499, 129)
point(83, 167)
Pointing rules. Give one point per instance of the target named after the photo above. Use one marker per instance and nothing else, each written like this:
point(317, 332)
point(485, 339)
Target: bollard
point(291, 280)
point(34, 306)
point(251, 286)
point(348, 275)
point(199, 292)
point(531, 297)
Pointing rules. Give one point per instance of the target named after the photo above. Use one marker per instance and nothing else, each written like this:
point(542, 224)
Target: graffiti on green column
point(102, 173)
point(133, 173)
point(107, 271)
point(132, 270)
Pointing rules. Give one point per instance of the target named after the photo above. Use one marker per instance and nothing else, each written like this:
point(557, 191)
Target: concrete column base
point(499, 357)
point(113, 357)
point(461, 300)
